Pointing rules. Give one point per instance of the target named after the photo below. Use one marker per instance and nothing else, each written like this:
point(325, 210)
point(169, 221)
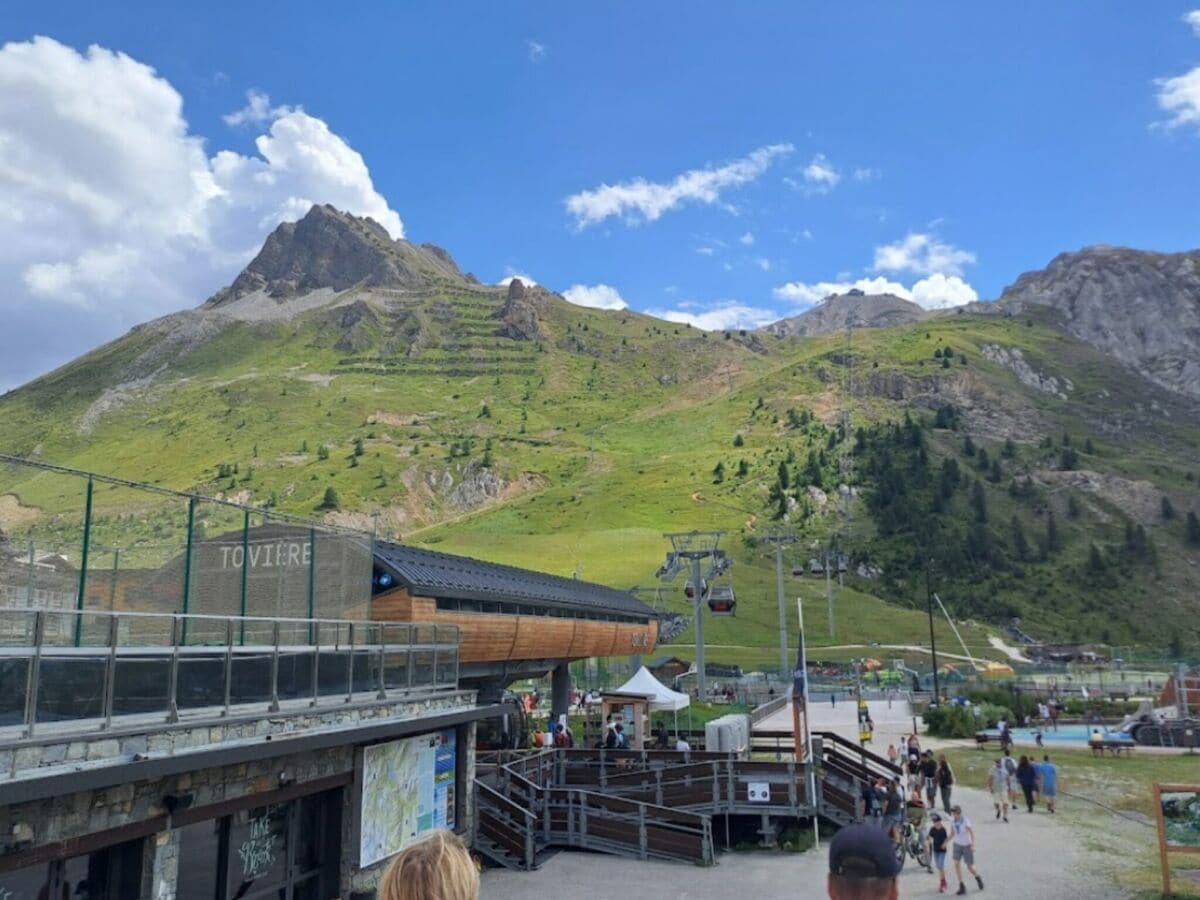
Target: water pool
point(1066, 734)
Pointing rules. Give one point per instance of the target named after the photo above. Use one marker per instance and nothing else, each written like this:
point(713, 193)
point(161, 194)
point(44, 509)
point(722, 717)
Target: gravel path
point(1034, 856)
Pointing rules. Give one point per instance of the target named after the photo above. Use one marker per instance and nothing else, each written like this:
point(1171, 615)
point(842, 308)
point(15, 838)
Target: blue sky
point(938, 147)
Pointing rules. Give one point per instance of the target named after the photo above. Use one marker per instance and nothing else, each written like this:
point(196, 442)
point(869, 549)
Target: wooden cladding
point(490, 637)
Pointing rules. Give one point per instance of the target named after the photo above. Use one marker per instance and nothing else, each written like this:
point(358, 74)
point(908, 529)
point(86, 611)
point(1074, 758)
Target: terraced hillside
point(506, 423)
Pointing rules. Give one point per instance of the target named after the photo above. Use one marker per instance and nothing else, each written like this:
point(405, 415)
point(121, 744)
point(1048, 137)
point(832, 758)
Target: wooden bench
point(1113, 747)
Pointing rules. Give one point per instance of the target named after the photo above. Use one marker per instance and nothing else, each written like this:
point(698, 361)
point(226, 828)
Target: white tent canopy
point(662, 697)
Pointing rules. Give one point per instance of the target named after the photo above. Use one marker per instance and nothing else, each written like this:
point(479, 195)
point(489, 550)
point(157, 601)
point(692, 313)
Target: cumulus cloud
point(597, 296)
point(1193, 19)
point(257, 111)
point(747, 239)
point(727, 315)
point(1179, 95)
point(921, 254)
point(514, 274)
point(938, 291)
point(111, 205)
point(820, 176)
point(640, 200)
point(535, 51)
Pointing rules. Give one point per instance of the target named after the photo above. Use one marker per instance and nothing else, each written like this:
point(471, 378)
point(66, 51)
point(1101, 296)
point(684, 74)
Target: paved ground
point(1035, 857)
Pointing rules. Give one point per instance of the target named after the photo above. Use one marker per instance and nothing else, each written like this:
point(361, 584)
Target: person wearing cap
point(936, 839)
point(964, 847)
point(863, 865)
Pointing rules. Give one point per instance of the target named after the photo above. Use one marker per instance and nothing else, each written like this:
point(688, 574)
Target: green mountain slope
point(511, 425)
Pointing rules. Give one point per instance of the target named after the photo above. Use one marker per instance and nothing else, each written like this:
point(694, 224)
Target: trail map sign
point(1177, 809)
point(407, 789)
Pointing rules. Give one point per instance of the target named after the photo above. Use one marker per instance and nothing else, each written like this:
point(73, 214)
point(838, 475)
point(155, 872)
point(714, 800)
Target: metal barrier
point(145, 668)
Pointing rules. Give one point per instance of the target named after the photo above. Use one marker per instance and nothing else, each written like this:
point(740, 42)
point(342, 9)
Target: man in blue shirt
point(1048, 772)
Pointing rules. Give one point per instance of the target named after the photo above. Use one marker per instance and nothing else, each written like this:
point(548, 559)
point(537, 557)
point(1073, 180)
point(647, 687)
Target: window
point(111, 872)
point(284, 851)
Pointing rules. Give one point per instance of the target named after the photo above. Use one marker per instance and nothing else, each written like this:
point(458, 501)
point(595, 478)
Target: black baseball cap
point(863, 851)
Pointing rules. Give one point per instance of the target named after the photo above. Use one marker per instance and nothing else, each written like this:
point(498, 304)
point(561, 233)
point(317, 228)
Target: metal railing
point(107, 668)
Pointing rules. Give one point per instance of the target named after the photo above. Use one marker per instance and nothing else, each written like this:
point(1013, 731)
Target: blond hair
point(435, 867)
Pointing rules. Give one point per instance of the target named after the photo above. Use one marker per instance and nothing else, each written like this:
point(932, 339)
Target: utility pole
point(829, 594)
point(779, 539)
point(692, 547)
point(932, 640)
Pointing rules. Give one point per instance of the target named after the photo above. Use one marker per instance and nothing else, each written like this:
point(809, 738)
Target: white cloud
point(513, 274)
point(257, 111)
point(706, 251)
point(921, 254)
point(763, 263)
point(820, 176)
point(597, 296)
point(729, 315)
point(536, 51)
point(938, 291)
point(747, 239)
point(640, 200)
point(110, 204)
point(1179, 96)
point(866, 173)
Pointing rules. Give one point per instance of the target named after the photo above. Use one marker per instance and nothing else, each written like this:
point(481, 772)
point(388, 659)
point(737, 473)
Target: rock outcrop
point(520, 318)
point(1140, 307)
point(332, 249)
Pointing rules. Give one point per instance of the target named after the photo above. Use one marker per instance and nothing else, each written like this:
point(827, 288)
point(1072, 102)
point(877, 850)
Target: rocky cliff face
point(834, 313)
point(520, 318)
point(335, 250)
point(1142, 308)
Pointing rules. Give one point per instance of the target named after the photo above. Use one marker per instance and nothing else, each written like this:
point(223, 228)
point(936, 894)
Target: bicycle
point(912, 843)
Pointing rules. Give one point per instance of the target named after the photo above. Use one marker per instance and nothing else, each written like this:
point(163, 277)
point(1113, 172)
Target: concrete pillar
point(560, 690)
point(160, 870)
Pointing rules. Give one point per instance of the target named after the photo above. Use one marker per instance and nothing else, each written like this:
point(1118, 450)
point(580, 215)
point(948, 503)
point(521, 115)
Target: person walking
point(1010, 767)
point(892, 754)
point(945, 780)
point(1049, 776)
point(929, 768)
point(936, 840)
point(893, 810)
point(997, 783)
point(964, 848)
point(1027, 778)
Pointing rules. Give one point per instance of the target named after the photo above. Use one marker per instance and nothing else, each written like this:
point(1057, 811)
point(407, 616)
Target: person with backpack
point(929, 771)
point(945, 780)
point(1010, 768)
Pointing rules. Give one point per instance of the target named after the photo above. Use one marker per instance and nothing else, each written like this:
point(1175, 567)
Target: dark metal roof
point(432, 574)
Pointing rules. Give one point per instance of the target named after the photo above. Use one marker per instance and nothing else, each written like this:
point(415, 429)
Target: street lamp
point(932, 640)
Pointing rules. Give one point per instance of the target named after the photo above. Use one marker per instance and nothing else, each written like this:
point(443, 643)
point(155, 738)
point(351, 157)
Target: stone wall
point(76, 815)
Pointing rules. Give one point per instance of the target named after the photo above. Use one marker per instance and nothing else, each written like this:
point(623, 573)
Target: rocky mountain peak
point(1142, 308)
point(855, 308)
point(332, 249)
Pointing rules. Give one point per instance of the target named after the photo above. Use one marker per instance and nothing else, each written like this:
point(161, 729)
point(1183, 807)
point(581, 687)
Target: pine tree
point(1053, 541)
point(322, 452)
point(718, 473)
point(738, 440)
point(1068, 458)
point(968, 446)
point(979, 502)
point(1020, 544)
point(783, 475)
point(1192, 529)
point(996, 473)
point(330, 500)
point(485, 412)
point(743, 468)
point(1073, 509)
point(1095, 560)
point(1010, 449)
point(1168, 510)
point(358, 447)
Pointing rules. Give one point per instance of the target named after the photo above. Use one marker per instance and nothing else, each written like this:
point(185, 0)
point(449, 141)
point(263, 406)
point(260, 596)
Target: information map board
point(407, 788)
point(1177, 808)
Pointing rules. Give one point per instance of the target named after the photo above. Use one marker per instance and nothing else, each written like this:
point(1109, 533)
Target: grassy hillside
point(574, 451)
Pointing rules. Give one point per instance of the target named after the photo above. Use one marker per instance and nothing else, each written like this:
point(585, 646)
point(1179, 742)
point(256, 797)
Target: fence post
point(350, 666)
point(110, 671)
point(312, 579)
point(187, 561)
point(173, 677)
point(83, 559)
point(382, 695)
point(245, 573)
point(316, 666)
point(33, 677)
point(642, 843)
point(583, 830)
point(229, 661)
point(434, 673)
point(112, 591)
point(274, 707)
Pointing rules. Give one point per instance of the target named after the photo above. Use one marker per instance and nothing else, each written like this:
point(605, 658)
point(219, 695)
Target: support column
point(560, 690)
point(160, 867)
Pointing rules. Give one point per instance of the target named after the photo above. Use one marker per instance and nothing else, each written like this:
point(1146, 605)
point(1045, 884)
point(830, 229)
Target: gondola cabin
point(797, 571)
point(510, 620)
point(816, 567)
point(721, 600)
point(689, 590)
